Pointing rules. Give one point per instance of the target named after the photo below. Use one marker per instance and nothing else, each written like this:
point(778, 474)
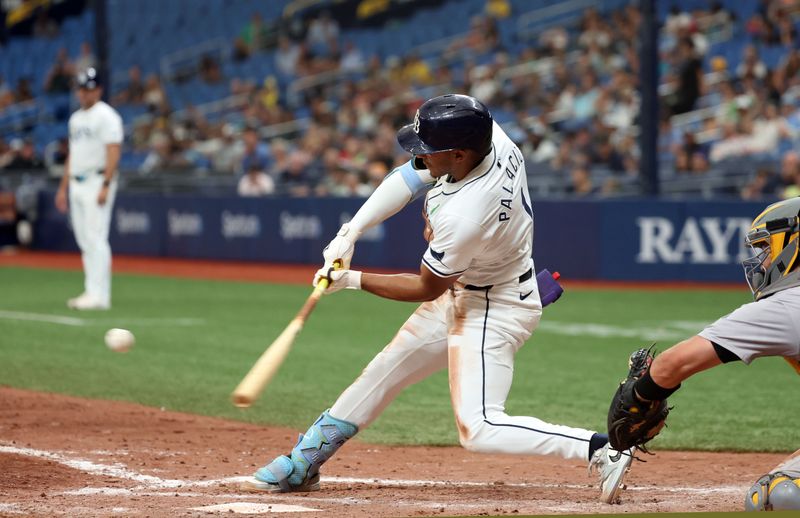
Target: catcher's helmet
point(448, 122)
point(773, 237)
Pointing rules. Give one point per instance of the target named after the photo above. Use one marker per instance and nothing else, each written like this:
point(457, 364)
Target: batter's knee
point(478, 438)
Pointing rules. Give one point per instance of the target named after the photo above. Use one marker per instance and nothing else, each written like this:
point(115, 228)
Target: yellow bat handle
point(322, 284)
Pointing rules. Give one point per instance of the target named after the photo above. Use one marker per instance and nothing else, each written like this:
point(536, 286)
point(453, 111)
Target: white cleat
point(612, 466)
point(85, 302)
point(74, 300)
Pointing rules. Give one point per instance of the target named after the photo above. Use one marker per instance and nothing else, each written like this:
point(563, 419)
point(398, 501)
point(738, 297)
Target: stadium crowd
point(569, 99)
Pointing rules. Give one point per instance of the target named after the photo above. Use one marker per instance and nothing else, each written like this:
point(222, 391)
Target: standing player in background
point(479, 300)
point(770, 326)
point(95, 135)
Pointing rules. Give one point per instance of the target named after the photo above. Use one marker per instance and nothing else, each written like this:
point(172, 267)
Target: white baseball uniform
point(482, 228)
point(90, 131)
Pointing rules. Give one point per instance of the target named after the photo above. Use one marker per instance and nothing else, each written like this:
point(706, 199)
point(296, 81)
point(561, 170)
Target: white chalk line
point(643, 330)
point(38, 317)
point(100, 322)
point(150, 482)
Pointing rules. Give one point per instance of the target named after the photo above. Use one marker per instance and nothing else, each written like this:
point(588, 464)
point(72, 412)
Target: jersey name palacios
point(483, 224)
point(89, 133)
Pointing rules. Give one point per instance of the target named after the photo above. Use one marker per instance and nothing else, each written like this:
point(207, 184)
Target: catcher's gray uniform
point(766, 327)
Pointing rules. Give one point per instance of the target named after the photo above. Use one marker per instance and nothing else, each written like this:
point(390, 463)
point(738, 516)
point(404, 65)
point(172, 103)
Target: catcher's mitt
point(631, 421)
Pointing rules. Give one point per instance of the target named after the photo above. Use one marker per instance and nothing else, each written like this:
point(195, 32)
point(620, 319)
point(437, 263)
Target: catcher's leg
point(776, 491)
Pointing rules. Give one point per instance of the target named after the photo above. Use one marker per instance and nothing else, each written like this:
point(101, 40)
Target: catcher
point(767, 327)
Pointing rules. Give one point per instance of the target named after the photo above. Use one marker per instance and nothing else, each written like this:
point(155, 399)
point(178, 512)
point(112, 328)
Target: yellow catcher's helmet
point(773, 238)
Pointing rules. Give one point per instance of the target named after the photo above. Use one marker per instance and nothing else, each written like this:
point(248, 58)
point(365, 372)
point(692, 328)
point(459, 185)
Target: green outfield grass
point(196, 339)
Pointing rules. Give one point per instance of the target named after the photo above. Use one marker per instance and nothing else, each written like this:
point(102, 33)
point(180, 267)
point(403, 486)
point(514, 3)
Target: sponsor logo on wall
point(300, 226)
point(184, 223)
point(696, 241)
point(132, 222)
point(240, 225)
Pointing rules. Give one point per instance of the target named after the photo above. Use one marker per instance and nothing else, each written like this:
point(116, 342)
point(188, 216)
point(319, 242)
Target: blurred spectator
point(270, 93)
point(280, 150)
point(717, 22)
point(762, 29)
point(6, 95)
point(240, 51)
point(85, 58)
point(25, 157)
point(287, 56)
point(224, 151)
point(59, 78)
point(498, 9)
point(787, 33)
point(254, 34)
point(154, 96)
point(256, 153)
point(727, 111)
point(537, 146)
point(352, 59)
point(751, 64)
point(593, 31)
point(769, 128)
point(8, 207)
point(160, 154)
point(691, 157)
point(677, 21)
point(134, 90)
point(6, 153)
point(255, 182)
point(581, 182)
point(376, 171)
point(23, 92)
point(323, 31)
point(790, 172)
point(760, 186)
point(210, 71)
point(689, 79)
point(296, 180)
point(55, 156)
point(44, 26)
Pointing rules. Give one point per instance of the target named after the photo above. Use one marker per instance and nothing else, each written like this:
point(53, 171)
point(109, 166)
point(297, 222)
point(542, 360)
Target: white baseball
point(119, 340)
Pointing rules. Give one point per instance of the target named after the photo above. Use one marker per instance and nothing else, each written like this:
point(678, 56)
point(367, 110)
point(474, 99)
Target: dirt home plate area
point(65, 456)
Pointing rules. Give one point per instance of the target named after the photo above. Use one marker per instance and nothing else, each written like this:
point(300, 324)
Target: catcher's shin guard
point(299, 471)
point(774, 492)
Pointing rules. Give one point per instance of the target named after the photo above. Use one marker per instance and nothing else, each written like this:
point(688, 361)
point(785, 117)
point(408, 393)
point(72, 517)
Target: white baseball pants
point(475, 334)
point(91, 223)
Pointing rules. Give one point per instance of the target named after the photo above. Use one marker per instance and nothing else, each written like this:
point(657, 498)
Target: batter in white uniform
point(95, 135)
point(479, 297)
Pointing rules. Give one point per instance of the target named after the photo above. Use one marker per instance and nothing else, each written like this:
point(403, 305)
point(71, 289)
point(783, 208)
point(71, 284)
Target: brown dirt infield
point(66, 456)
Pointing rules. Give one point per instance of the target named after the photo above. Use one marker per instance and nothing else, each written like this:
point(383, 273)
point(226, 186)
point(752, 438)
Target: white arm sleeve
point(398, 188)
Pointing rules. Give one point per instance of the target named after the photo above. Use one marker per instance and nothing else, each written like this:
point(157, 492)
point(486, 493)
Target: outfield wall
point(603, 239)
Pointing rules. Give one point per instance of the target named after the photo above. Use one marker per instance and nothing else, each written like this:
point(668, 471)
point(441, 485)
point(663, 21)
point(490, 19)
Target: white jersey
point(483, 224)
point(89, 133)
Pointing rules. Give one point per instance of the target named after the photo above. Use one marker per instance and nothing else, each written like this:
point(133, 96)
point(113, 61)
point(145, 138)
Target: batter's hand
point(338, 279)
point(61, 201)
point(341, 248)
point(102, 196)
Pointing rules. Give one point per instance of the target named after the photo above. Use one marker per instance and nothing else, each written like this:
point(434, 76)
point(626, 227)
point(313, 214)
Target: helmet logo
point(416, 122)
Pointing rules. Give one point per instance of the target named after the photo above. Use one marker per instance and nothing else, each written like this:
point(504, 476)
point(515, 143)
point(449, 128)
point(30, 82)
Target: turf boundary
point(287, 273)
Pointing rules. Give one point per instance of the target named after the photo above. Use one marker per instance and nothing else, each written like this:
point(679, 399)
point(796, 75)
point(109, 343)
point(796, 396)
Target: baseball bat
point(262, 372)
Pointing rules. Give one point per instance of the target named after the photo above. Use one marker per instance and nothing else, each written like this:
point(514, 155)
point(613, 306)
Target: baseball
point(119, 340)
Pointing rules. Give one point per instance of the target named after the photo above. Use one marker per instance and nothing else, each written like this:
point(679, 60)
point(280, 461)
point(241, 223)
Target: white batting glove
point(339, 279)
point(341, 248)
